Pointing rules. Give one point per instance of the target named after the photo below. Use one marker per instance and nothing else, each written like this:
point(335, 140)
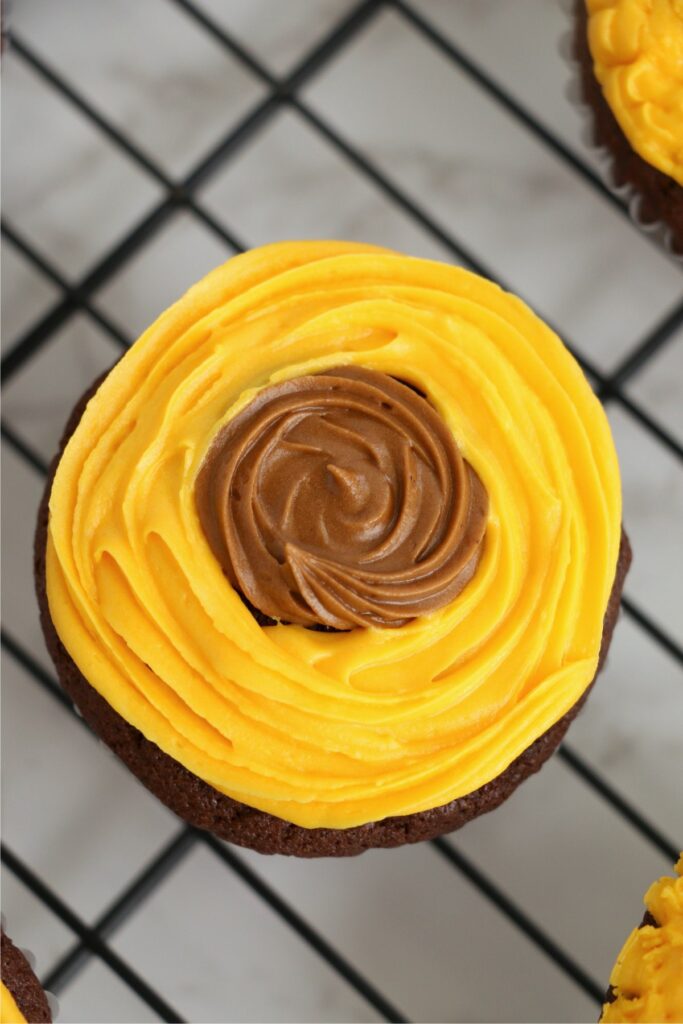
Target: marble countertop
point(467, 178)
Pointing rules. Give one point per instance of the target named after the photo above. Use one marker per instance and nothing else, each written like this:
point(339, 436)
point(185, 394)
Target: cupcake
point(647, 981)
point(630, 54)
point(22, 997)
point(332, 556)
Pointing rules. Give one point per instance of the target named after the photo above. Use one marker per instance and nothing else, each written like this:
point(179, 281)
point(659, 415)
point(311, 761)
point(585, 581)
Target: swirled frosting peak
point(342, 500)
point(236, 381)
point(637, 50)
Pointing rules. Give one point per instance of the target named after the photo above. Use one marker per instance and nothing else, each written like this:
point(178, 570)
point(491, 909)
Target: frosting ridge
point(337, 729)
point(637, 50)
point(341, 499)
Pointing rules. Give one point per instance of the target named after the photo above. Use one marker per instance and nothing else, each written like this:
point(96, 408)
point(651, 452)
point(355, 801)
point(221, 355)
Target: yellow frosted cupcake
point(332, 556)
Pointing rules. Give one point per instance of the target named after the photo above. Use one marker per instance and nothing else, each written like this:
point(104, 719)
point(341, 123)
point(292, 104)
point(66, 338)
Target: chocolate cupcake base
point(204, 807)
point(658, 198)
point(18, 977)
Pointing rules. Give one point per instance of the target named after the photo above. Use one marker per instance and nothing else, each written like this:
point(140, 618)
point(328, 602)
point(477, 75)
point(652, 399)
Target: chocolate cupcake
point(22, 997)
point(630, 54)
point(332, 556)
point(646, 984)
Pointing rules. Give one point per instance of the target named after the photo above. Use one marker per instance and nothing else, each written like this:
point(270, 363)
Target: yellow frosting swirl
point(648, 976)
point(637, 50)
point(337, 729)
point(9, 1011)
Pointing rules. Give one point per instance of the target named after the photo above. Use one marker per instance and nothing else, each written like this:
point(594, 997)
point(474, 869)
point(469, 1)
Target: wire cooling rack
point(93, 939)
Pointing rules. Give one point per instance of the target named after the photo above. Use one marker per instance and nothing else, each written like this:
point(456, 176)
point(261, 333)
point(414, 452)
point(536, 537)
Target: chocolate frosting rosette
point(338, 536)
point(342, 500)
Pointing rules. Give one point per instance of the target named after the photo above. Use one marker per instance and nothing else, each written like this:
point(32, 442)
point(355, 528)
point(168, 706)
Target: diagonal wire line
point(119, 910)
point(24, 450)
point(661, 334)
point(645, 420)
point(519, 918)
point(88, 936)
point(151, 222)
point(581, 767)
point(52, 273)
point(314, 939)
point(657, 634)
point(33, 667)
point(136, 892)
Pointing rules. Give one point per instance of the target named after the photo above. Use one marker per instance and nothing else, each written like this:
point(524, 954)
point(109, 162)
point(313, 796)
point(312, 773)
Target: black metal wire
point(52, 273)
point(662, 334)
point(88, 936)
point(179, 195)
point(309, 934)
point(520, 918)
point(37, 336)
point(620, 804)
point(33, 667)
point(645, 420)
point(24, 450)
point(656, 632)
point(131, 899)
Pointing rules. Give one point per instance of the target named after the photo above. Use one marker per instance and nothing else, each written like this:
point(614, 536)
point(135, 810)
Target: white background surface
point(410, 922)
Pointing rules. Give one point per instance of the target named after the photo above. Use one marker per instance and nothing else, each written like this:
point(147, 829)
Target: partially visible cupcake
point(631, 58)
point(647, 981)
point(21, 995)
